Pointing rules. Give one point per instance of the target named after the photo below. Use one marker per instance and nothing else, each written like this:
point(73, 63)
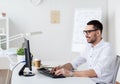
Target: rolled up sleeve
point(78, 61)
point(98, 70)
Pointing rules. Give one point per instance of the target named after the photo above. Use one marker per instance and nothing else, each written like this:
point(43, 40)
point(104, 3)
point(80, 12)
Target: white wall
point(111, 21)
point(55, 42)
point(117, 28)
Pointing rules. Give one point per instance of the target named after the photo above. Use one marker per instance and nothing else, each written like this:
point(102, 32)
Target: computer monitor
point(28, 60)
point(28, 56)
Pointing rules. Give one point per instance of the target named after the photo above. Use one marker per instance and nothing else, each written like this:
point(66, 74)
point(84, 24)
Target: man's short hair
point(97, 24)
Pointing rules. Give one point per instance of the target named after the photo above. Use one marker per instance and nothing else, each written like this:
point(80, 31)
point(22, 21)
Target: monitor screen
point(28, 60)
point(28, 56)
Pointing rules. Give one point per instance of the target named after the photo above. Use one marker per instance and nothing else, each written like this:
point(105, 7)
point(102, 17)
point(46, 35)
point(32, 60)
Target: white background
point(56, 41)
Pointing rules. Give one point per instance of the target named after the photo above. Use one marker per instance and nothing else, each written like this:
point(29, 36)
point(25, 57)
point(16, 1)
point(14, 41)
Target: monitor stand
point(22, 73)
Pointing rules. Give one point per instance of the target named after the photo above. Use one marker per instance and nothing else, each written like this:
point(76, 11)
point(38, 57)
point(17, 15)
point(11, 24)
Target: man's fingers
point(59, 72)
point(55, 69)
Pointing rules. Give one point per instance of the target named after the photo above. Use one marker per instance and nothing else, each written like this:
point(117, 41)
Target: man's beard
point(92, 41)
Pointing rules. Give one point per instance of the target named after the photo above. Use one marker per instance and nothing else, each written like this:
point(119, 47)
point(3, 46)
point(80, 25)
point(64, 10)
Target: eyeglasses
point(89, 31)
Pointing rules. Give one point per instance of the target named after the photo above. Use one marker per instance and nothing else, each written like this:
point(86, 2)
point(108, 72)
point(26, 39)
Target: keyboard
point(46, 72)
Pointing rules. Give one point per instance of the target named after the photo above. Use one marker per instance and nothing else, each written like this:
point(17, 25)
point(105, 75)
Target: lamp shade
point(21, 35)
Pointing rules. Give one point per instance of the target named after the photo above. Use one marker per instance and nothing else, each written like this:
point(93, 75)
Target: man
point(98, 54)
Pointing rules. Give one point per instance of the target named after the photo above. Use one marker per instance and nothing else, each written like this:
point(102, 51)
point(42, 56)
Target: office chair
point(116, 69)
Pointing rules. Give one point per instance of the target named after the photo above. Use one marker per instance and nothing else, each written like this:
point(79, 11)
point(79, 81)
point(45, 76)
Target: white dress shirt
point(101, 58)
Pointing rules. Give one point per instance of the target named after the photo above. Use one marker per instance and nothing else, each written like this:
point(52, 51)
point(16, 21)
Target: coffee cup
point(37, 63)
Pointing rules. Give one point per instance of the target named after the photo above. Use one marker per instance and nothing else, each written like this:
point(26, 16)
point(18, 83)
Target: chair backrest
point(116, 69)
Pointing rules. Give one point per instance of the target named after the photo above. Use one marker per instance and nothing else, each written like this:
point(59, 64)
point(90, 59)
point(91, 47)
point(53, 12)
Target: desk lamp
point(15, 37)
point(21, 35)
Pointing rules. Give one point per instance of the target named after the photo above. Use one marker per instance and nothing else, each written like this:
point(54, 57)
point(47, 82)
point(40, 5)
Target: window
point(81, 17)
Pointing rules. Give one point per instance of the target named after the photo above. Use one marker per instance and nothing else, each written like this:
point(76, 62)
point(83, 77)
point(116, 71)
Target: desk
point(42, 79)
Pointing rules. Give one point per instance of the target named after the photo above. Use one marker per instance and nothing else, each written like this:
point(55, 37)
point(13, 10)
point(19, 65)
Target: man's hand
point(54, 69)
point(64, 69)
point(64, 72)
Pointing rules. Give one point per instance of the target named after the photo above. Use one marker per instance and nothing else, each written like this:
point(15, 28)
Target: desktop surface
point(40, 78)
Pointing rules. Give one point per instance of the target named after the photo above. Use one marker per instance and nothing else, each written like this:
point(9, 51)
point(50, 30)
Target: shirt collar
point(98, 45)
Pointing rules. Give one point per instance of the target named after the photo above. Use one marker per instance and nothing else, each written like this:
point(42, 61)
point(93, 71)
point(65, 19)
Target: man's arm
point(86, 73)
point(66, 71)
point(67, 66)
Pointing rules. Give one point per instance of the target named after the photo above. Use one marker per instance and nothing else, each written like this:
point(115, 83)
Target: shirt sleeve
point(80, 59)
point(77, 61)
